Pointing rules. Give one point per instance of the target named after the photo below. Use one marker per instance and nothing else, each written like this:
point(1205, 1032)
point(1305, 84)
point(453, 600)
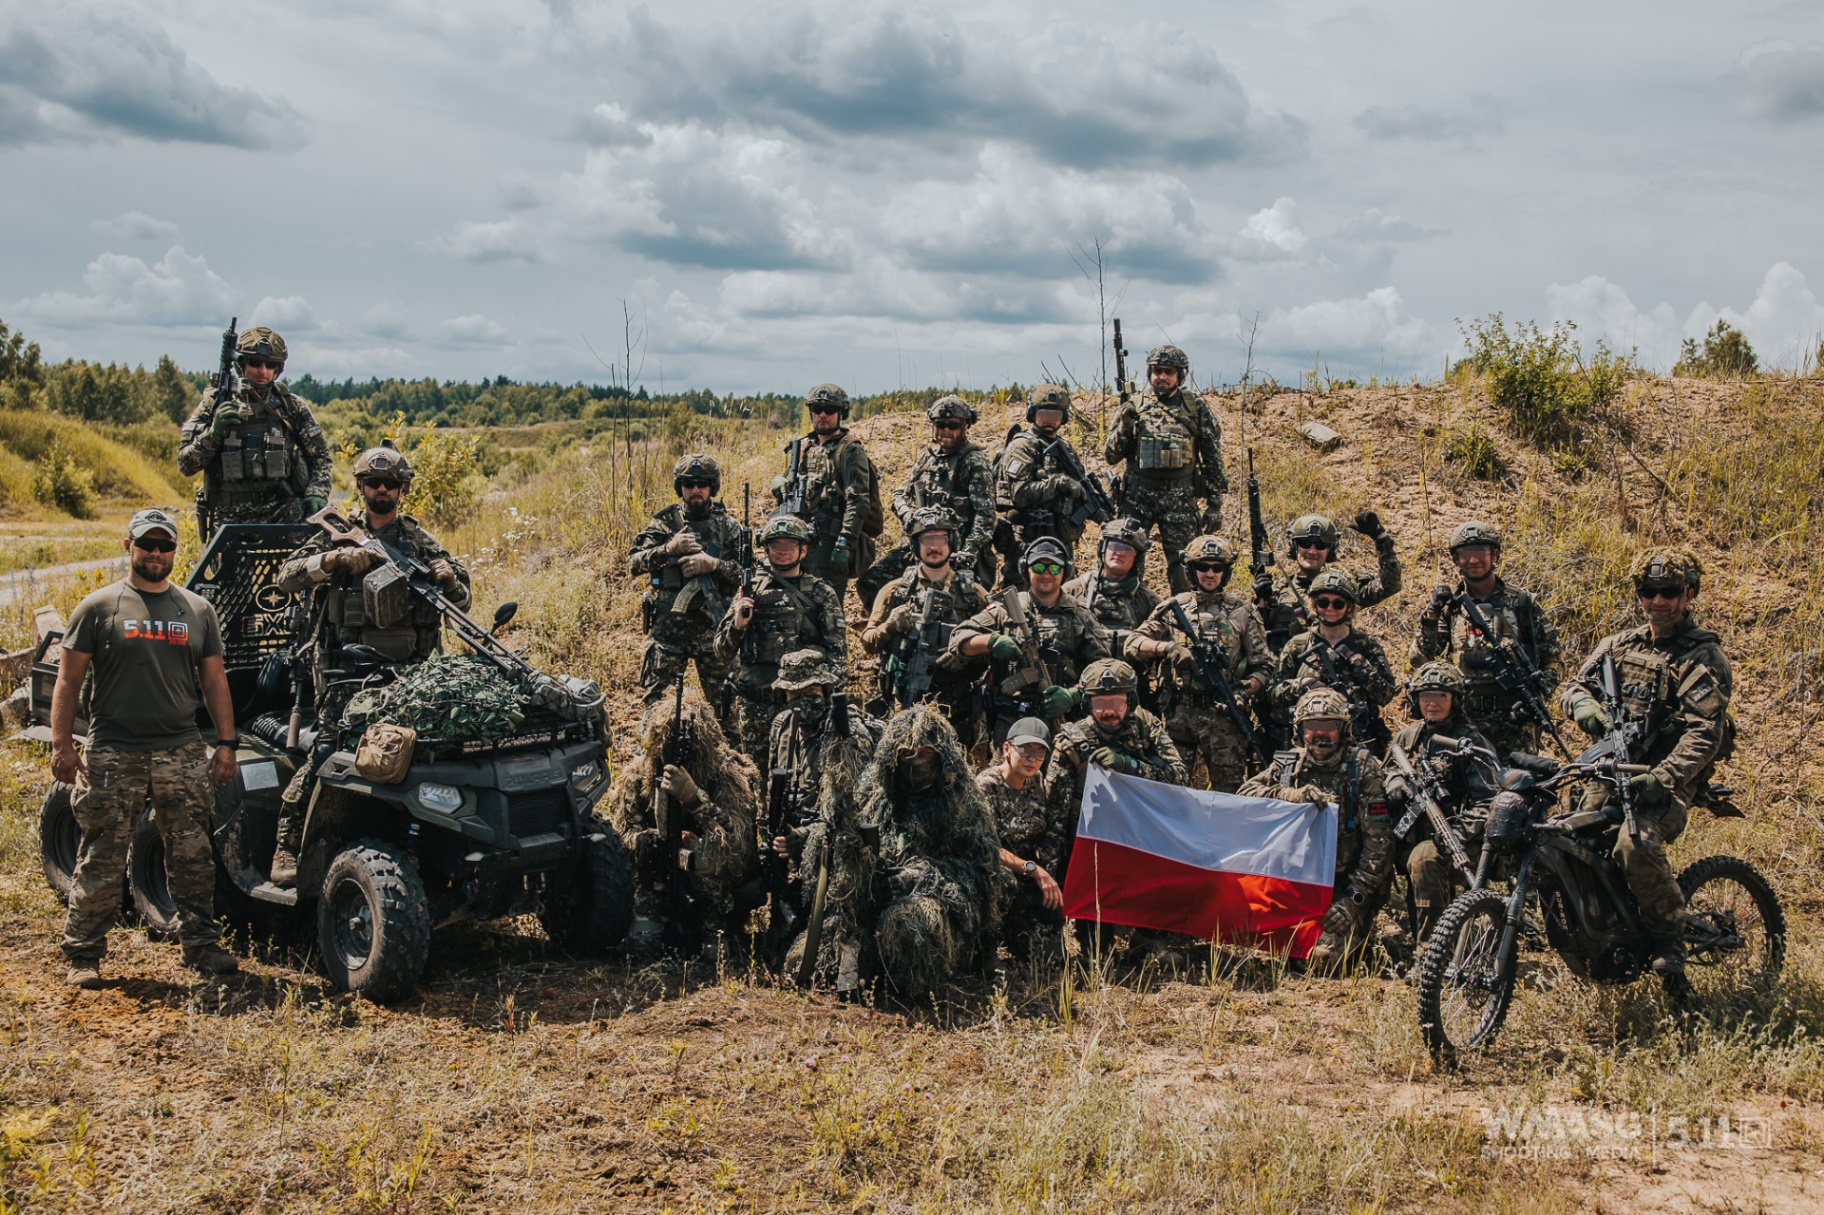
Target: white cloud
point(1464, 123)
point(507, 240)
point(1784, 323)
point(387, 320)
point(1603, 312)
point(1374, 323)
point(176, 290)
point(1781, 81)
point(135, 225)
point(289, 312)
point(476, 330)
point(1374, 225)
point(1276, 227)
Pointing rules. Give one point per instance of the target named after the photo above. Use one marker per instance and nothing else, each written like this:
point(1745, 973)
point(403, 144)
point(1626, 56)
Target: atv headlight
point(586, 776)
point(447, 798)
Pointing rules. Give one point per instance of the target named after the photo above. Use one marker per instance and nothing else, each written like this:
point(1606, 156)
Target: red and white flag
point(1243, 870)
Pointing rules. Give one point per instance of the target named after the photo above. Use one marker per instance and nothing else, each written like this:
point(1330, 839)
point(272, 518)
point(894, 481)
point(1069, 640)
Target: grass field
point(523, 1079)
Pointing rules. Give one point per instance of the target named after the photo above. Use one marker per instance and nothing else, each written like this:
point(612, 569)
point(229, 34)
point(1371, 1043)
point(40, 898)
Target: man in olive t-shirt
point(152, 648)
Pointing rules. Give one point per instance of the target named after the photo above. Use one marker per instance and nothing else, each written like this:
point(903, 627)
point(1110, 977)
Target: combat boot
point(86, 975)
point(284, 866)
point(212, 960)
point(1669, 958)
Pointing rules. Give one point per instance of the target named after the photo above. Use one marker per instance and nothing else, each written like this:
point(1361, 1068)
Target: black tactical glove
point(1441, 595)
point(1369, 524)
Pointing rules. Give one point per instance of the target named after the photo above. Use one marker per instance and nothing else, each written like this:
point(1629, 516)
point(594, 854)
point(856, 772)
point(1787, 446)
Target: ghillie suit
point(912, 876)
point(721, 818)
point(826, 769)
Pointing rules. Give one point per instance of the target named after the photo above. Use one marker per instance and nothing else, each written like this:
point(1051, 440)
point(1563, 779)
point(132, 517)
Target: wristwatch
point(233, 743)
point(1031, 867)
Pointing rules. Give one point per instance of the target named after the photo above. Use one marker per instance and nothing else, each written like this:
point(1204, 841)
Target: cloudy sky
point(887, 194)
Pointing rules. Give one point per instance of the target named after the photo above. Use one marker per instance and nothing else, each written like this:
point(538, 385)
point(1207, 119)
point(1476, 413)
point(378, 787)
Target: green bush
point(60, 481)
point(1539, 379)
point(1474, 449)
point(1726, 355)
point(447, 481)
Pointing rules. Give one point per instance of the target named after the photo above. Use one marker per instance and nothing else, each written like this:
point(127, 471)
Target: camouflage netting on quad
point(446, 699)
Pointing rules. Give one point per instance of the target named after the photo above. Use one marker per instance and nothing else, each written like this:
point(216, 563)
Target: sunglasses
point(1329, 603)
point(1051, 569)
point(1209, 567)
point(826, 409)
point(687, 484)
point(1667, 593)
point(1316, 544)
point(947, 425)
point(382, 482)
point(156, 546)
point(272, 363)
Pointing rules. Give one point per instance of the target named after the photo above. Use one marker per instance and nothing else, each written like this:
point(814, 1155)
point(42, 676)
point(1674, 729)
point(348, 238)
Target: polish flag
point(1242, 870)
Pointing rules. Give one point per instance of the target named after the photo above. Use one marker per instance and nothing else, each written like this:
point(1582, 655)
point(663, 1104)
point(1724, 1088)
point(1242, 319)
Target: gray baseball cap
point(151, 519)
point(1030, 730)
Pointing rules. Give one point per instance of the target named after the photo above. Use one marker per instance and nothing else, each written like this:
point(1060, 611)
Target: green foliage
point(18, 360)
point(447, 483)
point(1726, 355)
point(61, 482)
point(1540, 380)
point(1474, 449)
point(131, 463)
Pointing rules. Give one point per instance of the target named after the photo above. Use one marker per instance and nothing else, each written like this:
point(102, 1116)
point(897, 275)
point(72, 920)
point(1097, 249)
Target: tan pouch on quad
point(385, 753)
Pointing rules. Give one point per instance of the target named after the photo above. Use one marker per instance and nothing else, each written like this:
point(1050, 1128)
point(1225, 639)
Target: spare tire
point(589, 908)
point(59, 839)
point(147, 882)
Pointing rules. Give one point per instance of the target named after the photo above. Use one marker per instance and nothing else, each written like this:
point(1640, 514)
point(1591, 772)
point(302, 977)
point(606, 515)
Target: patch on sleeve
point(1377, 807)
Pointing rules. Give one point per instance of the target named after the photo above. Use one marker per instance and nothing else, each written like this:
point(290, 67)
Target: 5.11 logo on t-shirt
point(177, 632)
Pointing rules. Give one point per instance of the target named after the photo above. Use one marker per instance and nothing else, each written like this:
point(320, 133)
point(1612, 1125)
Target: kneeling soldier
point(1118, 735)
point(1031, 832)
point(1334, 654)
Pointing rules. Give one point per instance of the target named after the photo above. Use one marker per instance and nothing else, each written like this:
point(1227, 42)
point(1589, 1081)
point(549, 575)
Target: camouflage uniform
point(721, 818)
point(1172, 447)
point(918, 909)
point(1121, 604)
point(1034, 492)
point(261, 469)
point(1030, 827)
point(1288, 616)
point(338, 609)
point(789, 614)
point(1194, 716)
point(953, 686)
point(1355, 666)
point(1069, 639)
point(841, 499)
point(1515, 616)
point(1679, 688)
point(1353, 779)
point(1469, 780)
point(680, 616)
point(961, 482)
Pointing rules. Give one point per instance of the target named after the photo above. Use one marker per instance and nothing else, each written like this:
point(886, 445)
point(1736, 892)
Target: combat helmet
point(259, 343)
point(1209, 548)
point(828, 394)
point(1047, 548)
point(1321, 704)
point(1473, 532)
point(934, 519)
point(1321, 528)
point(1672, 565)
point(1109, 677)
point(695, 466)
point(1047, 396)
point(1169, 356)
point(783, 526)
point(1435, 677)
point(951, 407)
point(1337, 582)
point(802, 669)
point(383, 461)
point(1131, 532)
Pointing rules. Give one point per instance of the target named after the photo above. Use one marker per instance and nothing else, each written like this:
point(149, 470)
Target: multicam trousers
point(1174, 508)
point(107, 805)
point(663, 662)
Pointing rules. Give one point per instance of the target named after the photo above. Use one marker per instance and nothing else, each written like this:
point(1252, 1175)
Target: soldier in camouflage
point(893, 630)
point(842, 495)
point(1035, 492)
point(1676, 682)
point(952, 474)
point(1328, 767)
point(145, 647)
point(262, 455)
point(339, 610)
point(1172, 446)
point(1032, 834)
point(1515, 615)
point(1116, 591)
point(1195, 717)
point(1332, 653)
point(1312, 542)
point(690, 557)
point(790, 610)
point(912, 877)
point(1435, 698)
point(1067, 639)
point(1117, 735)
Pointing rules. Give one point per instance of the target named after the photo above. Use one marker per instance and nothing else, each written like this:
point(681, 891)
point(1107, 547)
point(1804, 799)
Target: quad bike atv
point(470, 832)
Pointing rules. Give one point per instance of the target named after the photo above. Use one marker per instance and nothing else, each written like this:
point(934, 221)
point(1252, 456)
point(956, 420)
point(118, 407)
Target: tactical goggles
point(151, 545)
point(948, 424)
point(826, 409)
point(1051, 569)
point(693, 483)
point(1659, 592)
point(251, 361)
point(382, 482)
point(1329, 603)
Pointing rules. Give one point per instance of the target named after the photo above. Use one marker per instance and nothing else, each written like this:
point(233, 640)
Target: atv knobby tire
point(59, 839)
point(1464, 988)
point(147, 884)
point(589, 910)
point(373, 921)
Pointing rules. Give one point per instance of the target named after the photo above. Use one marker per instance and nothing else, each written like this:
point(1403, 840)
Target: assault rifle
point(747, 548)
point(674, 857)
point(793, 497)
point(918, 651)
point(1620, 743)
point(224, 381)
point(1428, 796)
point(1028, 682)
point(774, 870)
point(1121, 385)
point(1514, 671)
point(838, 727)
point(1210, 663)
point(1096, 504)
point(1261, 564)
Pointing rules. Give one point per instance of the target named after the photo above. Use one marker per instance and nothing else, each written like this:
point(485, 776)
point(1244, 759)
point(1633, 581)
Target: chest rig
point(256, 456)
point(379, 609)
point(1165, 447)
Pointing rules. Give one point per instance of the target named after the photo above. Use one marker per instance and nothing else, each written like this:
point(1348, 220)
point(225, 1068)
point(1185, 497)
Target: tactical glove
point(313, 505)
point(683, 544)
point(1649, 790)
point(1441, 596)
point(679, 787)
point(1369, 524)
point(778, 488)
point(694, 564)
point(444, 573)
point(1341, 917)
point(1059, 701)
point(900, 620)
point(1114, 761)
point(227, 417)
point(1398, 789)
point(1590, 718)
point(1317, 795)
point(1003, 648)
point(839, 559)
point(1061, 486)
point(1211, 521)
point(356, 561)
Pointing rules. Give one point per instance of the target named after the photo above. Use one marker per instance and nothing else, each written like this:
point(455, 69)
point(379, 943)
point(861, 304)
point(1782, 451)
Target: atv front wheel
point(373, 921)
point(589, 909)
